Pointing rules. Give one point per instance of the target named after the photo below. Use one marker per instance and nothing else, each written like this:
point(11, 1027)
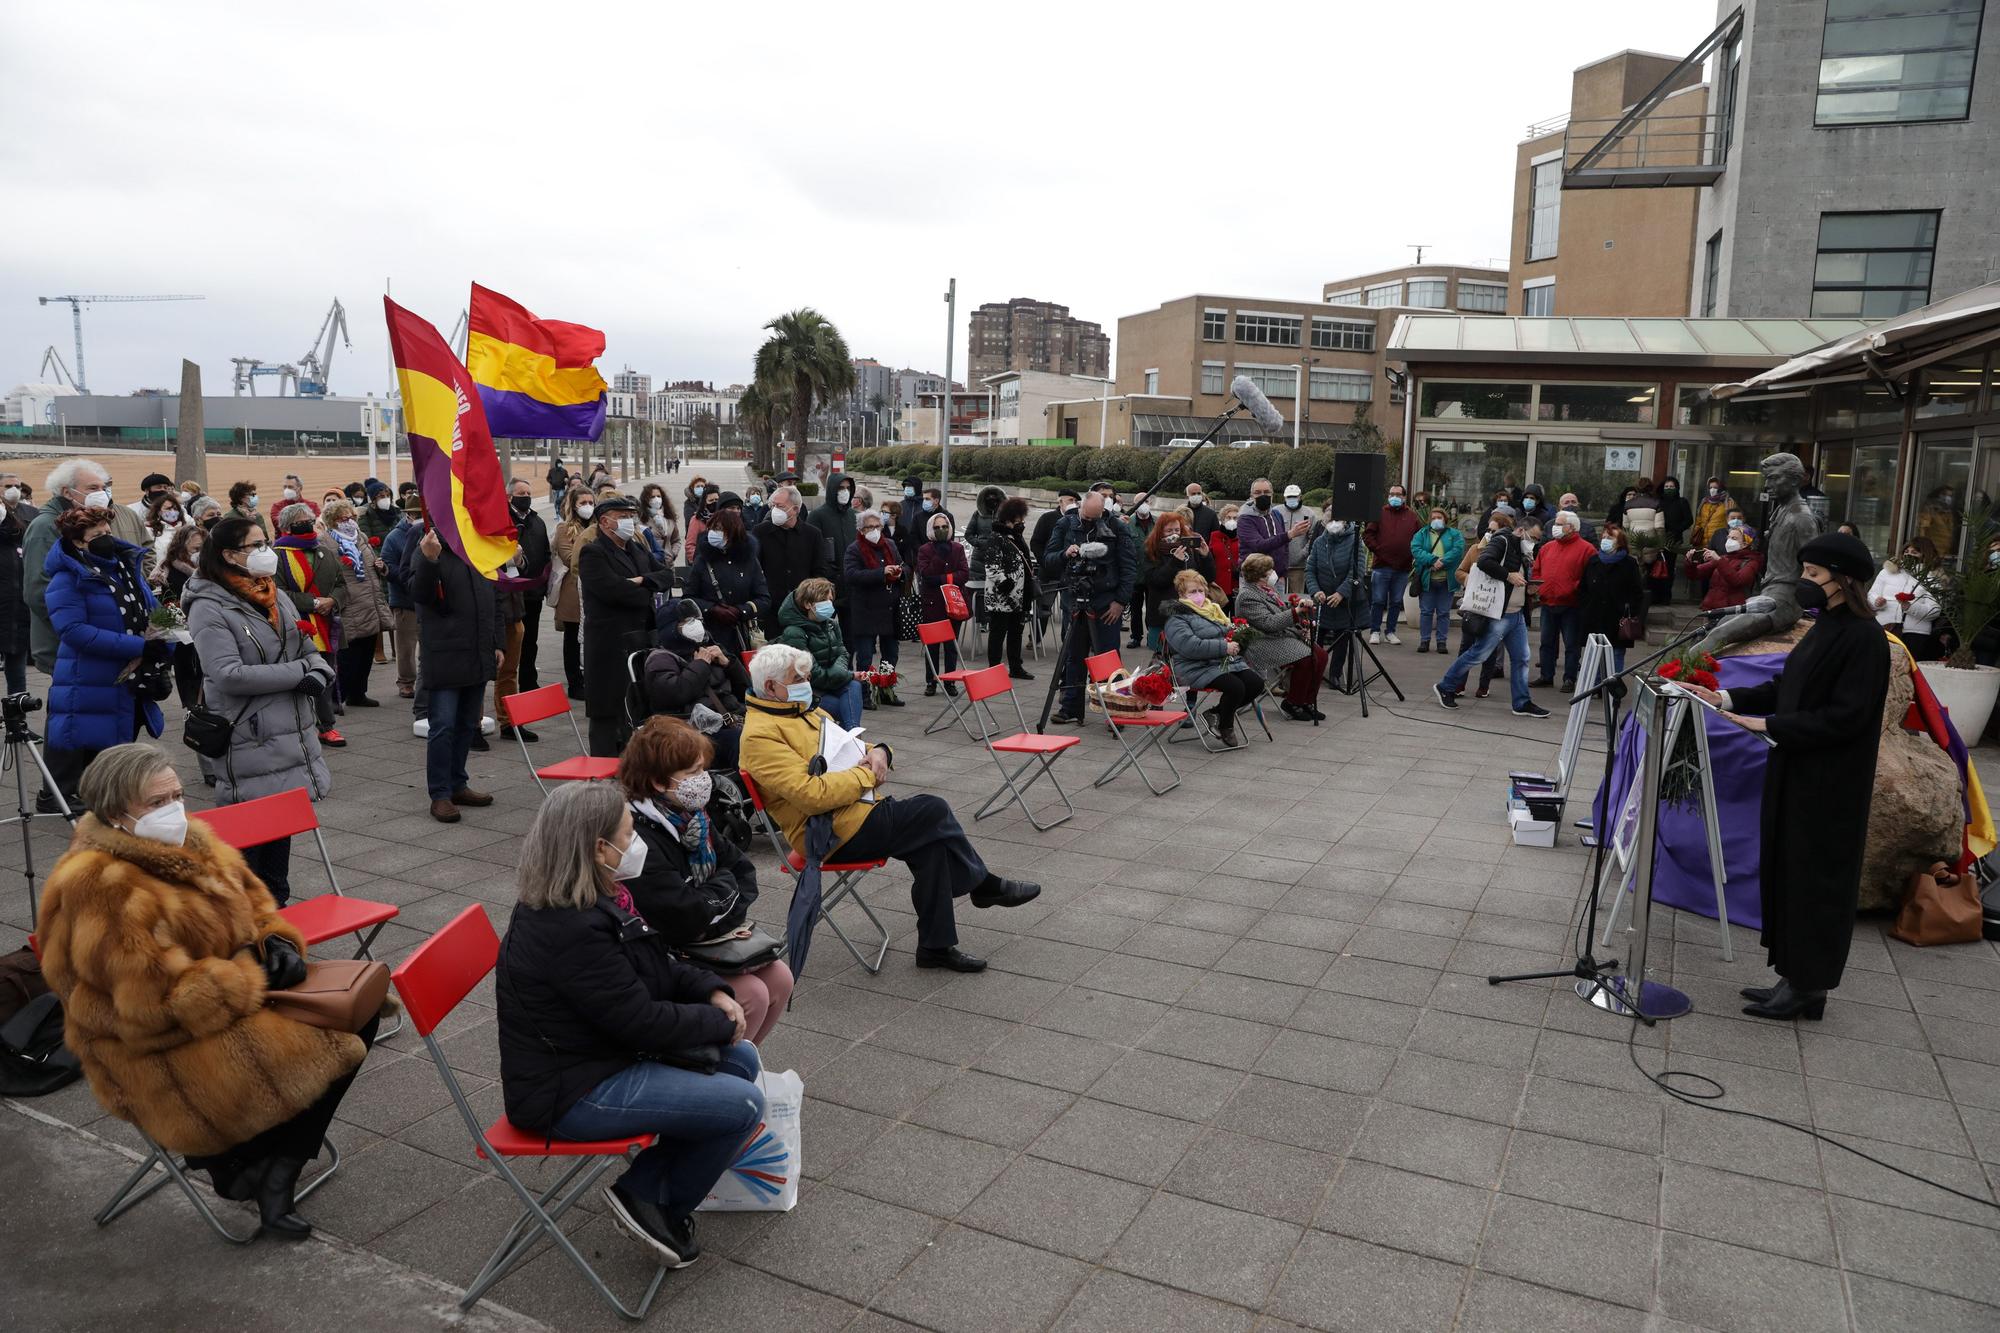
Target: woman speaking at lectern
point(1824, 713)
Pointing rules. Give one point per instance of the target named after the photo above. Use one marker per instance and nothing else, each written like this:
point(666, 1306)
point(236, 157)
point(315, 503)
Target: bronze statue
point(1791, 525)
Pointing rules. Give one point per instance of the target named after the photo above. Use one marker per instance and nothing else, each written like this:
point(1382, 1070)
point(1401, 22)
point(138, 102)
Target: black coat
point(732, 577)
point(1038, 544)
point(1825, 713)
point(790, 555)
point(617, 616)
point(533, 534)
point(673, 904)
point(1611, 590)
point(13, 602)
point(675, 683)
point(871, 598)
point(458, 620)
point(585, 994)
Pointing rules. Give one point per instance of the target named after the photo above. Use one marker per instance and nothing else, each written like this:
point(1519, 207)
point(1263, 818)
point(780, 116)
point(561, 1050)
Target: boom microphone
point(1252, 397)
point(1756, 606)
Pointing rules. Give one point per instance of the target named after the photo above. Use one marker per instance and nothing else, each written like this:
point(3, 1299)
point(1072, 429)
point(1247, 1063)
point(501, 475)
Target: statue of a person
point(1792, 523)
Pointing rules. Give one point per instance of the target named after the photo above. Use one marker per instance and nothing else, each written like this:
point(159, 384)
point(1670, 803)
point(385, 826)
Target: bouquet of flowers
point(168, 622)
point(1241, 633)
point(1153, 686)
point(877, 677)
point(1304, 612)
point(1680, 783)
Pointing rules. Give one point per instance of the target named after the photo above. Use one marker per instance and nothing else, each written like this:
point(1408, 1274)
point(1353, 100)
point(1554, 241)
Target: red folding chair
point(1203, 732)
point(1154, 725)
point(934, 634)
point(432, 982)
point(1042, 751)
point(847, 876)
point(328, 916)
point(531, 706)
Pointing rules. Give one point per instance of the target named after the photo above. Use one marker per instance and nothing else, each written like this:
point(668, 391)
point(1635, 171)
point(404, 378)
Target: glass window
point(1873, 264)
point(1152, 381)
point(1911, 63)
point(1387, 293)
point(1711, 275)
point(1428, 292)
point(1546, 210)
point(1211, 377)
point(1275, 381)
point(1858, 406)
point(1268, 330)
point(1214, 325)
point(1836, 478)
point(1582, 468)
point(1791, 415)
point(1341, 386)
point(1944, 470)
point(1629, 403)
point(1539, 299)
point(1951, 387)
point(1343, 335)
point(1873, 491)
point(1483, 297)
point(1481, 402)
point(1725, 103)
point(1466, 474)
point(1352, 296)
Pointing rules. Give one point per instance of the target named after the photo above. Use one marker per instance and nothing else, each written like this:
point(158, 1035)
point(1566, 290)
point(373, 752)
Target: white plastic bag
point(764, 1178)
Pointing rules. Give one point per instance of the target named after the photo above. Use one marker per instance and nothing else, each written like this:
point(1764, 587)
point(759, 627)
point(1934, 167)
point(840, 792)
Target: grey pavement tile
point(1605, 1258)
point(1344, 901)
point(1420, 918)
point(1585, 1175)
point(1895, 1117)
point(1119, 1019)
point(1379, 980)
point(1227, 919)
point(390, 1096)
point(832, 1135)
point(971, 1281)
point(1055, 1059)
point(1210, 1250)
point(840, 1243)
point(884, 1082)
point(1215, 1039)
point(1870, 1064)
point(1880, 1304)
point(1005, 995)
point(1483, 1041)
point(1720, 1286)
point(1234, 889)
point(1117, 1141)
point(1355, 1018)
point(789, 1046)
point(1275, 962)
point(1115, 1303)
point(1057, 1207)
point(1051, 960)
point(1294, 1113)
point(1597, 1061)
point(1958, 1038)
point(1399, 946)
point(1124, 900)
point(1529, 1003)
point(1327, 1062)
point(1254, 1175)
point(1178, 944)
point(1700, 1135)
point(1306, 932)
point(844, 1011)
point(1074, 925)
point(992, 1109)
point(922, 1169)
point(1744, 1210)
point(1167, 1085)
point(1857, 1177)
point(1407, 1211)
point(1338, 1283)
point(1448, 1146)
point(722, 1291)
point(1456, 1087)
point(1972, 1083)
point(1141, 978)
point(1502, 1305)
point(1953, 1257)
point(1250, 998)
point(1417, 888)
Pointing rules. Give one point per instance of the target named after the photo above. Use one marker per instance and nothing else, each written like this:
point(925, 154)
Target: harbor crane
point(51, 357)
point(248, 368)
point(76, 305)
point(317, 364)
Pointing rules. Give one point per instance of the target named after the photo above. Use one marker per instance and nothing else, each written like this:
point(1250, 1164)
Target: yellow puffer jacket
point(779, 740)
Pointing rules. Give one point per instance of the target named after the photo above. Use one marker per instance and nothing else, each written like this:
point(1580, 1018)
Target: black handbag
point(736, 953)
point(207, 732)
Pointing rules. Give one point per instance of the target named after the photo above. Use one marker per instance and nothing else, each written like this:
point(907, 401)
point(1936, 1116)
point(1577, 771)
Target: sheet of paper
point(843, 749)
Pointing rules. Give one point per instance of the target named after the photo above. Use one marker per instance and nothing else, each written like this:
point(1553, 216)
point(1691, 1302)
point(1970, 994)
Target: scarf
point(261, 593)
point(1610, 557)
point(1207, 611)
point(694, 834)
point(350, 551)
point(297, 553)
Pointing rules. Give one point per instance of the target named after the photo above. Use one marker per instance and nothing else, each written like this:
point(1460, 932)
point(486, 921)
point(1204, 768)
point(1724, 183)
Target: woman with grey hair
point(365, 610)
point(604, 1033)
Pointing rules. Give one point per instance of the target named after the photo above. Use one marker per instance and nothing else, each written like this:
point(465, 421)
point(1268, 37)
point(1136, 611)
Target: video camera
point(14, 710)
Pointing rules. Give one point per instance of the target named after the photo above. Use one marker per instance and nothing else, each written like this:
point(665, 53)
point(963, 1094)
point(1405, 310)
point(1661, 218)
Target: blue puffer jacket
point(89, 707)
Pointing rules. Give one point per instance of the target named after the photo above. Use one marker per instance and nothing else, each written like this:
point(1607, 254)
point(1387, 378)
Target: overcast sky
point(678, 174)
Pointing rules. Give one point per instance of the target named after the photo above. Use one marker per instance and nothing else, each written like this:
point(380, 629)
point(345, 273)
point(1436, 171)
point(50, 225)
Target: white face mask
point(585, 511)
point(1229, 525)
point(168, 824)
point(1733, 545)
point(187, 498)
point(249, 502)
point(694, 631)
point(12, 494)
point(693, 793)
point(1271, 580)
point(385, 504)
point(872, 535)
point(291, 493)
point(98, 499)
point(654, 504)
point(626, 527)
point(263, 562)
point(631, 861)
point(348, 528)
point(780, 515)
point(170, 516)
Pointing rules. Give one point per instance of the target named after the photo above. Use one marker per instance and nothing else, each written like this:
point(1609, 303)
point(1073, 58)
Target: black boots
point(1783, 1001)
point(276, 1204)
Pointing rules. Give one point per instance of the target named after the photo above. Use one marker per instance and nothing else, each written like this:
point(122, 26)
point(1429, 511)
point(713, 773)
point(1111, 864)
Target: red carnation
point(1906, 597)
point(374, 541)
point(1707, 680)
point(1153, 687)
point(1671, 671)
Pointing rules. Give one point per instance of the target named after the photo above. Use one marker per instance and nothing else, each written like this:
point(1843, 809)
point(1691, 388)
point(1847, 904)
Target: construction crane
point(317, 363)
point(248, 368)
point(51, 357)
point(76, 305)
point(460, 333)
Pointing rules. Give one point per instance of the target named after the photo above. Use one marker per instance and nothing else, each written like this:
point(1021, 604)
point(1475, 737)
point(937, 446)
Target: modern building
point(913, 384)
point(1026, 334)
point(633, 382)
point(1427, 287)
point(1021, 399)
point(686, 402)
point(154, 416)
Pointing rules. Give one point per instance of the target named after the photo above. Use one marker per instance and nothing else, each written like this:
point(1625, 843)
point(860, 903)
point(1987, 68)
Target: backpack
point(33, 1060)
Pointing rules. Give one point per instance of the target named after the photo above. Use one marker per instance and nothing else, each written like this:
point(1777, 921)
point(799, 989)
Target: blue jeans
point(1385, 597)
point(844, 706)
point(454, 719)
point(862, 650)
point(1434, 613)
point(702, 1121)
point(1511, 630)
point(1564, 624)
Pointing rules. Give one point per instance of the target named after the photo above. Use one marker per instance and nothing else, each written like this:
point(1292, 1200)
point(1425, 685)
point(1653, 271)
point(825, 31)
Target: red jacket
point(1388, 537)
point(1731, 578)
point(1559, 566)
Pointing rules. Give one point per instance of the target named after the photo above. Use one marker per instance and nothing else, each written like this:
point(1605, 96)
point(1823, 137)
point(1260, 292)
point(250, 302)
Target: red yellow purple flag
point(535, 375)
point(451, 451)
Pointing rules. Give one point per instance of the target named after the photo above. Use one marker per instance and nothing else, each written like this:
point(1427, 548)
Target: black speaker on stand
point(1360, 481)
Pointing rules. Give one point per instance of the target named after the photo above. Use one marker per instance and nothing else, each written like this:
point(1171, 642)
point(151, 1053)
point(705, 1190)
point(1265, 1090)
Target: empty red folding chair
point(847, 876)
point(1152, 727)
point(531, 706)
point(934, 634)
point(1042, 751)
point(432, 982)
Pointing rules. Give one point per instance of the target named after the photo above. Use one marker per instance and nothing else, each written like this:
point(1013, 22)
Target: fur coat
point(154, 951)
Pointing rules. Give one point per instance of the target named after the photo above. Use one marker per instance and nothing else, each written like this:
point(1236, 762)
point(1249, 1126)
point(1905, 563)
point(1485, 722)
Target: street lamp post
point(1301, 386)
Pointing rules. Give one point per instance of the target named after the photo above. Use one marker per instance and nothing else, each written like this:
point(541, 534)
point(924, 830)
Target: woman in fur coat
point(162, 945)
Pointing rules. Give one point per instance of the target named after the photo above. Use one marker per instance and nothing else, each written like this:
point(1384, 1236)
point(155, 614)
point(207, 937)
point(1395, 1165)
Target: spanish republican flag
point(458, 472)
point(535, 374)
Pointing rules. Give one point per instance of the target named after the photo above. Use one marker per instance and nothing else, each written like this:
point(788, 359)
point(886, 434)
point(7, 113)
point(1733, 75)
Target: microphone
point(1756, 606)
point(1268, 419)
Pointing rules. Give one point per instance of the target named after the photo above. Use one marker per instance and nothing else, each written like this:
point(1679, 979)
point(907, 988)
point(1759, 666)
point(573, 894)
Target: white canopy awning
point(1886, 351)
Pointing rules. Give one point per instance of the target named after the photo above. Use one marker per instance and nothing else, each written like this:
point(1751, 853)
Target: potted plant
point(1967, 592)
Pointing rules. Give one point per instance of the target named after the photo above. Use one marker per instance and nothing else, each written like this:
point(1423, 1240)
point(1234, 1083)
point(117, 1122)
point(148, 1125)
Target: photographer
point(1094, 551)
point(1171, 548)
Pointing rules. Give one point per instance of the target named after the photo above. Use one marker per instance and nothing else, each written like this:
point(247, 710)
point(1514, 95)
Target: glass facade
point(1581, 467)
point(1429, 293)
point(1341, 386)
point(1873, 265)
point(1888, 63)
point(1866, 405)
point(1952, 387)
point(1388, 293)
point(1466, 474)
point(1937, 500)
point(1872, 506)
point(1711, 275)
point(1788, 416)
point(1477, 402)
point(1616, 403)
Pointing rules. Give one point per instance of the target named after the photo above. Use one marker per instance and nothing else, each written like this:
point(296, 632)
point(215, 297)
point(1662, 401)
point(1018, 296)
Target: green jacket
point(821, 638)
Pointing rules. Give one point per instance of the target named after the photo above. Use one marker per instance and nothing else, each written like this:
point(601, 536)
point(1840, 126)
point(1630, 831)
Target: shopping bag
point(1484, 595)
point(953, 596)
point(764, 1178)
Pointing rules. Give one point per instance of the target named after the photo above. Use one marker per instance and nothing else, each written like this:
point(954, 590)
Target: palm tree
point(805, 360)
point(756, 410)
point(875, 405)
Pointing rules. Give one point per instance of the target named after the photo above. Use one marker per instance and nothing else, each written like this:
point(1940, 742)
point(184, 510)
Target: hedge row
point(1227, 472)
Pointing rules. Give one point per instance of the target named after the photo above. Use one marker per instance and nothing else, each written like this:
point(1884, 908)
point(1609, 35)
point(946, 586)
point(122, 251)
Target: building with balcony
point(1026, 334)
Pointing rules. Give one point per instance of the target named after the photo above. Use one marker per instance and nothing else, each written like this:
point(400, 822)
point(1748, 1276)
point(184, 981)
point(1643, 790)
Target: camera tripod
point(1354, 679)
point(21, 741)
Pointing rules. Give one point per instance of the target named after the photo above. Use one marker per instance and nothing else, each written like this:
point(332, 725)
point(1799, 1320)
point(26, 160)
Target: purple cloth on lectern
point(1680, 874)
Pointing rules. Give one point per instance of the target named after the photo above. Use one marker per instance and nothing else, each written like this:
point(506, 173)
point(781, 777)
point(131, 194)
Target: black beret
point(1840, 553)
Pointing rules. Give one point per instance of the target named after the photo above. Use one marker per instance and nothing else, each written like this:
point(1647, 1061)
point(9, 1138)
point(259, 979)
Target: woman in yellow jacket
point(781, 738)
point(1711, 512)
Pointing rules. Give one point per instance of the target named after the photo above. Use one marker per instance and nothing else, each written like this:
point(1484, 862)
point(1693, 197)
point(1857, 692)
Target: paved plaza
point(1238, 1067)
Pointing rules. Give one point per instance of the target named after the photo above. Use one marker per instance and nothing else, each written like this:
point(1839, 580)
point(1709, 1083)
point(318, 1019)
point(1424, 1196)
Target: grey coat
point(1199, 646)
point(1280, 643)
point(247, 668)
point(366, 610)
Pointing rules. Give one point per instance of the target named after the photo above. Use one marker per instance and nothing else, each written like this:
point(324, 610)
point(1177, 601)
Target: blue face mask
point(929, 505)
point(1607, 545)
point(909, 492)
point(1395, 502)
point(800, 693)
point(716, 539)
point(824, 610)
point(1527, 502)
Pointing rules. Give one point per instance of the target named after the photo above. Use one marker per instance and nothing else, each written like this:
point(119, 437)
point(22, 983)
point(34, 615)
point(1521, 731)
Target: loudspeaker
point(1360, 485)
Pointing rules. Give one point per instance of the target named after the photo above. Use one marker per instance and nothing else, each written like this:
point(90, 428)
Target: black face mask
point(104, 546)
point(302, 529)
point(1812, 597)
point(1263, 503)
point(523, 503)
